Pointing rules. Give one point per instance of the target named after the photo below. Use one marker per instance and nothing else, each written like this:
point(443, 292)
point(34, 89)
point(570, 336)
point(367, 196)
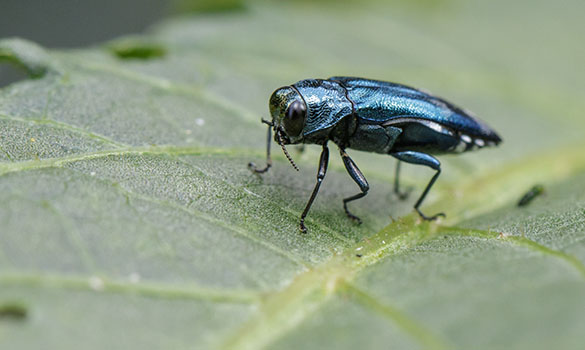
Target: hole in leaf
point(13, 311)
point(137, 50)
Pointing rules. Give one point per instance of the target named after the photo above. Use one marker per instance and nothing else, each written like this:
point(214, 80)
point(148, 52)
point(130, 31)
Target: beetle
point(372, 116)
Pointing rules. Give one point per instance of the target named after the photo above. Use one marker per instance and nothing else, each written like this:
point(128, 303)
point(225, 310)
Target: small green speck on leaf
point(13, 311)
point(137, 50)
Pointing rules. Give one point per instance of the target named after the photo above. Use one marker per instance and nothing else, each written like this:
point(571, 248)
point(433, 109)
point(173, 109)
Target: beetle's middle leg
point(402, 195)
point(422, 159)
point(359, 179)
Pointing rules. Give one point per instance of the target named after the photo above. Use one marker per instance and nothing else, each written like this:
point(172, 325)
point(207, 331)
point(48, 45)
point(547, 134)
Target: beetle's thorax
point(327, 105)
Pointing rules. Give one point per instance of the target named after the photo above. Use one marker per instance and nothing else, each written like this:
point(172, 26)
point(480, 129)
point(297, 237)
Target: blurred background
point(73, 23)
point(79, 23)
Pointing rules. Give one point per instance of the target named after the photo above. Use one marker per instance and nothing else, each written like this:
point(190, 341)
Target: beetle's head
point(289, 113)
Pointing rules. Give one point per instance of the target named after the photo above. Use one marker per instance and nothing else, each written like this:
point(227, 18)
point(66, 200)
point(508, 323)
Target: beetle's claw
point(354, 218)
point(433, 218)
point(252, 166)
point(350, 215)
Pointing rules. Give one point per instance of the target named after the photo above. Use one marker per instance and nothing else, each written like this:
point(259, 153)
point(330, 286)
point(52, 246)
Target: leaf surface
point(130, 220)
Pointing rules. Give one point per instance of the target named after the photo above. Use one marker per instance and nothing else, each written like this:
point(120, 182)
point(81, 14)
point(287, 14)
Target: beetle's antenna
point(285, 151)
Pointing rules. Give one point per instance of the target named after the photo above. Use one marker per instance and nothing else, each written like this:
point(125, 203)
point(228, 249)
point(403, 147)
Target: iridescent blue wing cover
point(380, 102)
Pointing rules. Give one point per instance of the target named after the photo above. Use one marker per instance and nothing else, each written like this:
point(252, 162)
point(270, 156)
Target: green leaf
point(130, 220)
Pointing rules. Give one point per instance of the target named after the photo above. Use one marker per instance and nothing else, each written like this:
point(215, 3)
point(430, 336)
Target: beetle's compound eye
point(294, 119)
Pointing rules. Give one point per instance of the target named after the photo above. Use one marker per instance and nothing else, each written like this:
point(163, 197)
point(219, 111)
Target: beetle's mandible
point(372, 116)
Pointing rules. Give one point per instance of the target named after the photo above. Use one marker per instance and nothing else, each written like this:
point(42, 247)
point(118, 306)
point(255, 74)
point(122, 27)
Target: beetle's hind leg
point(359, 179)
point(422, 159)
point(402, 195)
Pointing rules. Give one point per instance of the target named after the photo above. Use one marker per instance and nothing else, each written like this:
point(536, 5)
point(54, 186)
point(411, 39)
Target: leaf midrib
point(285, 309)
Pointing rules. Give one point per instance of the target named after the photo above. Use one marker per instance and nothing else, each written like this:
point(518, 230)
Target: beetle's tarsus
point(253, 168)
point(350, 215)
point(302, 227)
point(430, 218)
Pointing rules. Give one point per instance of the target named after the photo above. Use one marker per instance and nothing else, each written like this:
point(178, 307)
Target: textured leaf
point(130, 220)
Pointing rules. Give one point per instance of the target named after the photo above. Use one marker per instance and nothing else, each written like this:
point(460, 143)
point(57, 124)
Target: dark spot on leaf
point(13, 311)
point(529, 196)
point(358, 255)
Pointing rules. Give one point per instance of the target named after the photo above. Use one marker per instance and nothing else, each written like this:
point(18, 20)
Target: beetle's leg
point(253, 167)
point(421, 159)
point(359, 179)
point(323, 162)
point(401, 195)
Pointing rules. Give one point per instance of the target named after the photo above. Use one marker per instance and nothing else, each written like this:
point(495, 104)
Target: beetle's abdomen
point(431, 137)
point(374, 138)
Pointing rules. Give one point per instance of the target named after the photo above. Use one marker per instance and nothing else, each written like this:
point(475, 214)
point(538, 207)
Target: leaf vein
point(146, 289)
point(521, 241)
point(201, 215)
point(64, 126)
point(426, 338)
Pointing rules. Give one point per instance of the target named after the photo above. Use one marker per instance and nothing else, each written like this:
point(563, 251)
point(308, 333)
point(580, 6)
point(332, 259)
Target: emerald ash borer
point(372, 116)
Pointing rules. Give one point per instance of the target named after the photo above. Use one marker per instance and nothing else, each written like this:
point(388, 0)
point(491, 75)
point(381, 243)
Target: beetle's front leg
point(323, 162)
point(252, 166)
point(421, 159)
point(359, 179)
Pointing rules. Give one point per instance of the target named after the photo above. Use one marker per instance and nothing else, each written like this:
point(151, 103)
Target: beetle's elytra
point(372, 116)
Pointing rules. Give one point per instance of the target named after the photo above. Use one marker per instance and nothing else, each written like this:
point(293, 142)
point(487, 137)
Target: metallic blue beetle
point(372, 116)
